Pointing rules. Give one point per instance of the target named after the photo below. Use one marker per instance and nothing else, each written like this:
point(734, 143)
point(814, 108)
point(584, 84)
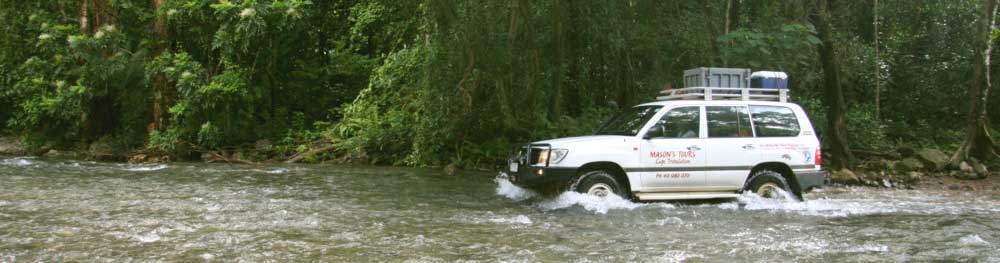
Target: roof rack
point(716, 93)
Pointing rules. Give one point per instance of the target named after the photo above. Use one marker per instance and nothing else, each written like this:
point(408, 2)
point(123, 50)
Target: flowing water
point(52, 210)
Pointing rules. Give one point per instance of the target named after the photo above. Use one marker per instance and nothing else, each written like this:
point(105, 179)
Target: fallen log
point(299, 156)
point(229, 160)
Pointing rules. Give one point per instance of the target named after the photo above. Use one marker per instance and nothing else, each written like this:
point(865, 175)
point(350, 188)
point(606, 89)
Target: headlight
point(554, 156)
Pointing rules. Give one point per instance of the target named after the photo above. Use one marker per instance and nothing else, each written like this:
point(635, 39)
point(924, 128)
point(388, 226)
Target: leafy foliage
point(437, 82)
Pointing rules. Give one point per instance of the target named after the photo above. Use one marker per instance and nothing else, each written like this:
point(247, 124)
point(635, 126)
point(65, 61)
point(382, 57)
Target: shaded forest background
point(438, 82)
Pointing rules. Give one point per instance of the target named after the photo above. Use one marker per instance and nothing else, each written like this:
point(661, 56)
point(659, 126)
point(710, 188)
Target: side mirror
point(654, 132)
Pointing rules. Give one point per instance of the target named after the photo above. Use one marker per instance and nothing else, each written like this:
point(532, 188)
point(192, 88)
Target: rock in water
point(979, 168)
point(909, 165)
point(844, 176)
point(451, 169)
point(59, 154)
point(914, 176)
point(933, 159)
point(965, 167)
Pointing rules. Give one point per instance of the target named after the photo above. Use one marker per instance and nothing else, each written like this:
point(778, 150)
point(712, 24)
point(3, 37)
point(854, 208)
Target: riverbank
point(922, 169)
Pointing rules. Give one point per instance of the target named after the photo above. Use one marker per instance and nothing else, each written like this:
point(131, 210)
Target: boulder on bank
point(909, 165)
point(11, 145)
point(933, 159)
point(844, 176)
point(906, 150)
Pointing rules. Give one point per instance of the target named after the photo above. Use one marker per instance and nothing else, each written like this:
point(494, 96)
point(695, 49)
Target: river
point(61, 210)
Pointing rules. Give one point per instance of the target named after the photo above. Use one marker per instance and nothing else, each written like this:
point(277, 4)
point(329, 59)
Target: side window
point(683, 122)
point(774, 121)
point(728, 122)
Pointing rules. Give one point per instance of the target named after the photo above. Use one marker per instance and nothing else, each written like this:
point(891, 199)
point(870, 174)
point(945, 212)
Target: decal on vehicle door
point(673, 157)
point(673, 175)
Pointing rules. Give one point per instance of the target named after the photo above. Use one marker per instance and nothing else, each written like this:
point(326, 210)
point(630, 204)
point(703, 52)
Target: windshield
point(628, 122)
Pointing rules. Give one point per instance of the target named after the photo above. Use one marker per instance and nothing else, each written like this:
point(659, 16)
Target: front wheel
point(598, 183)
point(770, 184)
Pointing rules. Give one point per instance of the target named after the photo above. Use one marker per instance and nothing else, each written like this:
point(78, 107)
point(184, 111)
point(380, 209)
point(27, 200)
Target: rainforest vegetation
point(451, 82)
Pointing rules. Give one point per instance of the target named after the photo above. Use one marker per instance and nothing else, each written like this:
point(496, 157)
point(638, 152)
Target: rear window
point(774, 121)
point(728, 121)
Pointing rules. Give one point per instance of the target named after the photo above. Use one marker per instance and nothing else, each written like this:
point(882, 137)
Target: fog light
point(540, 172)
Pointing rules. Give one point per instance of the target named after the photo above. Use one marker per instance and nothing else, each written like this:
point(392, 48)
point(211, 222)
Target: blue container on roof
point(769, 80)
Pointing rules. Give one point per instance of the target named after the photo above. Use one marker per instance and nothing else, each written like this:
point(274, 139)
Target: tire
point(598, 183)
point(765, 183)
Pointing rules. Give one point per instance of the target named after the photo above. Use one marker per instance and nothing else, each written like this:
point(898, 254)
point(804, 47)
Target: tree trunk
point(833, 95)
point(978, 143)
point(100, 117)
point(560, 42)
point(163, 93)
point(84, 20)
point(732, 15)
point(706, 11)
point(878, 88)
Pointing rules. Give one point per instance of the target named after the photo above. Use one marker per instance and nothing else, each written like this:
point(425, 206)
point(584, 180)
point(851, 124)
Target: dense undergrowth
point(438, 82)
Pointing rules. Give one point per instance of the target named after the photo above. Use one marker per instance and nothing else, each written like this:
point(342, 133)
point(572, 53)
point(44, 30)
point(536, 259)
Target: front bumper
point(537, 176)
point(810, 179)
point(532, 174)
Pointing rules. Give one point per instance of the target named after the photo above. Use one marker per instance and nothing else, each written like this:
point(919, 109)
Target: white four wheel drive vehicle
point(693, 143)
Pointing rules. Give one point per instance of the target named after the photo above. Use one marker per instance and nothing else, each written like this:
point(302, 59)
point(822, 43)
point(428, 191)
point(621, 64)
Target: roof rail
point(715, 93)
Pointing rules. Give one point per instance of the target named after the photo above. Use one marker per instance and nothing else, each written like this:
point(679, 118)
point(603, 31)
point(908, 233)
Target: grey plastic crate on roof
point(717, 77)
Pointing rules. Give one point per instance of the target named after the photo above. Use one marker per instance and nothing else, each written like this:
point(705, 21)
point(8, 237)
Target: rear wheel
point(770, 184)
point(598, 183)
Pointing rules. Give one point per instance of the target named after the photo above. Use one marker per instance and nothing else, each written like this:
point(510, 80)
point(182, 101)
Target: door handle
point(694, 148)
point(748, 147)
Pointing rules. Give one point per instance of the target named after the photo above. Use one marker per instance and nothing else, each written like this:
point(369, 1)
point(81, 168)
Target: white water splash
point(869, 248)
point(519, 219)
point(973, 240)
point(677, 256)
point(670, 221)
point(819, 207)
point(509, 190)
point(144, 167)
point(148, 237)
point(600, 205)
point(277, 171)
point(19, 161)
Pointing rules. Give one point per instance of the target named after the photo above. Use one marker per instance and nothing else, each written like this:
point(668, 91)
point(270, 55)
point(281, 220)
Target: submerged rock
point(844, 176)
point(933, 159)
